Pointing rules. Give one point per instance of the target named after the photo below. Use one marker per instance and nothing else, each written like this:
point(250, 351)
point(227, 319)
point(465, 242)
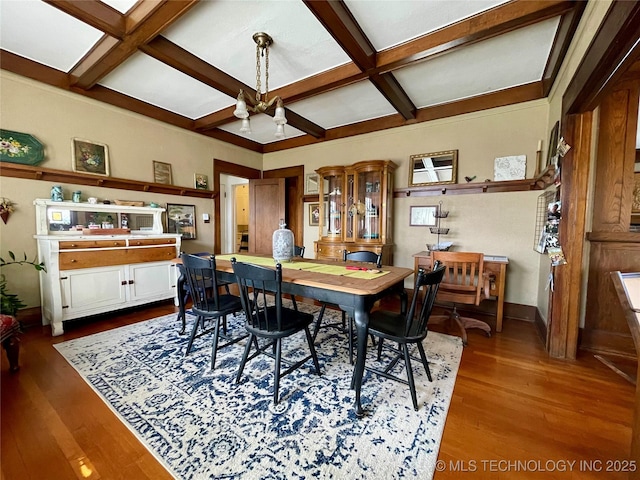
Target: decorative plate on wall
point(16, 147)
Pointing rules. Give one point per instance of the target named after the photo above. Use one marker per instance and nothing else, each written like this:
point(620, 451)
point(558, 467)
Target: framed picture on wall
point(314, 214)
point(89, 157)
point(162, 173)
point(311, 186)
point(423, 216)
point(201, 181)
point(182, 219)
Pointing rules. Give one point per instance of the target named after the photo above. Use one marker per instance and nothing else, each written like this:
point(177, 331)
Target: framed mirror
point(433, 168)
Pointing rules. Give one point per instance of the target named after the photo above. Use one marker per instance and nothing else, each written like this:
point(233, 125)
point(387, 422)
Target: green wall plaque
point(16, 147)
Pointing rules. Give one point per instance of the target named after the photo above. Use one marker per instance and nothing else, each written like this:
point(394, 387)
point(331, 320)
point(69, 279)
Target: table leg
point(500, 306)
point(361, 318)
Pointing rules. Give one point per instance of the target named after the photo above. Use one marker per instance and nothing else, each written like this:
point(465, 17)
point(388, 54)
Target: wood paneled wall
point(613, 247)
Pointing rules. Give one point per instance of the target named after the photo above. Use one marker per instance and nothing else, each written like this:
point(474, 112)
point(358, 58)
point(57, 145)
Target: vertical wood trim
point(564, 320)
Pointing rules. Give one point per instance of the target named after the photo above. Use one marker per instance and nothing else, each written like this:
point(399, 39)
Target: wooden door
point(267, 200)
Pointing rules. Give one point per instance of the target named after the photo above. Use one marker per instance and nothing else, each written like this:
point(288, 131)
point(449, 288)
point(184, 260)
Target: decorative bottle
point(283, 243)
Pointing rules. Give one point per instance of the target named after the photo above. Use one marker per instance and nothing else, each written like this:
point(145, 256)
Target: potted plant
point(10, 303)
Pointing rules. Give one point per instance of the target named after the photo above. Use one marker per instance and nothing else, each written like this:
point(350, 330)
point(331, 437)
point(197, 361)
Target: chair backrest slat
point(463, 279)
point(426, 286)
point(260, 293)
point(200, 274)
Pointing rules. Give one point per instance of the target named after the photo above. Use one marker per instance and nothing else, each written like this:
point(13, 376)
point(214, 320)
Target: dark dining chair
point(298, 251)
point(408, 328)
point(364, 257)
point(184, 294)
point(209, 303)
point(266, 318)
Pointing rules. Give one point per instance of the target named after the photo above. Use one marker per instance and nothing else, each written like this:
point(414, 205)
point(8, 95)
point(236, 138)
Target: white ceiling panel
point(262, 129)
point(123, 6)
point(354, 103)
point(512, 59)
point(221, 33)
point(40, 32)
point(152, 81)
point(388, 23)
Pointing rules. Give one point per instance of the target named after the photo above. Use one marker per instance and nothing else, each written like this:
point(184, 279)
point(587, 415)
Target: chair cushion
point(9, 327)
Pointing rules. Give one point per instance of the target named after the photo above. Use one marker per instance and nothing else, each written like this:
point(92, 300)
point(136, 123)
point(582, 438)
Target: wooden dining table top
point(326, 274)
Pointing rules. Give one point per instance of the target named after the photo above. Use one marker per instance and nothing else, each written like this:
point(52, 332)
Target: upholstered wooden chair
point(464, 282)
point(261, 297)
point(407, 328)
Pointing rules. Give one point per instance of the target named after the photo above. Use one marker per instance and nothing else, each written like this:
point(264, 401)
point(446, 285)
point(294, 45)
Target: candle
point(539, 145)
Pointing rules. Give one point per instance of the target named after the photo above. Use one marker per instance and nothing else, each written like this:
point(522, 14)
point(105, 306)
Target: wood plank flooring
point(515, 413)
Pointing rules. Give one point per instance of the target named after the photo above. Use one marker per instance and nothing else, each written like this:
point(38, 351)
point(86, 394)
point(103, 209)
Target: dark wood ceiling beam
point(485, 25)
point(175, 56)
point(171, 54)
point(510, 96)
point(237, 140)
point(564, 35)
point(339, 22)
point(97, 14)
point(304, 125)
point(92, 68)
point(337, 19)
point(30, 69)
point(395, 94)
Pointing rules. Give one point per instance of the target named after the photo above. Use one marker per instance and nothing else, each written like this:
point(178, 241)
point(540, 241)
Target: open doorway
point(234, 212)
point(224, 217)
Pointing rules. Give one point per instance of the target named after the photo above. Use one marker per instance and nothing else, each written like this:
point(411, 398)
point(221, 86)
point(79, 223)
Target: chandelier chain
point(266, 74)
point(258, 74)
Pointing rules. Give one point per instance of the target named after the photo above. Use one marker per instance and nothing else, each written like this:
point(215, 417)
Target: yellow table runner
point(310, 266)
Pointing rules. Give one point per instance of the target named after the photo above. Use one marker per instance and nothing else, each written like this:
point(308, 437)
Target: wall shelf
point(541, 182)
point(8, 169)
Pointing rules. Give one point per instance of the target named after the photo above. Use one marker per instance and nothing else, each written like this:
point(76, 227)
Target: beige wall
point(492, 223)
point(55, 117)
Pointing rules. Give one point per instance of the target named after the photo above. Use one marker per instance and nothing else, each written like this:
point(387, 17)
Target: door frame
point(221, 167)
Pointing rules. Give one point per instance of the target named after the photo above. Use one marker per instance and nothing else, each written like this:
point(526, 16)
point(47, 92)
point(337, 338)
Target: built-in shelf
point(64, 176)
point(541, 182)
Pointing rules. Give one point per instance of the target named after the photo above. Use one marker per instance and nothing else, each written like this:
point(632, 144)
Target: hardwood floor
point(515, 413)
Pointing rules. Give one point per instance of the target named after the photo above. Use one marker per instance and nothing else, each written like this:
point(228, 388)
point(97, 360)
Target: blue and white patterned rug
point(202, 425)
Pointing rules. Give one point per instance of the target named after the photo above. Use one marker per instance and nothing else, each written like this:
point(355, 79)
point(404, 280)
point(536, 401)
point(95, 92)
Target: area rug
point(200, 424)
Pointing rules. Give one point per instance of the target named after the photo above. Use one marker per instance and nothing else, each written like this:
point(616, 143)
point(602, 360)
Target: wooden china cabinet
point(356, 203)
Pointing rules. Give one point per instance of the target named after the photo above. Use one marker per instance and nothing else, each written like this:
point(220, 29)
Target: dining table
point(354, 290)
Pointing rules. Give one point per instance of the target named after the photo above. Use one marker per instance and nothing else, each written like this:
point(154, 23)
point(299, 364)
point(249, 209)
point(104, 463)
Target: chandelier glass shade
point(261, 103)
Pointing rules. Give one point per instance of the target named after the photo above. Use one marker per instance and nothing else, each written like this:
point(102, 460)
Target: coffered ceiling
point(342, 67)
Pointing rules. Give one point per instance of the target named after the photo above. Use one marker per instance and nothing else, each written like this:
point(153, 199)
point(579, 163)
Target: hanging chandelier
point(261, 104)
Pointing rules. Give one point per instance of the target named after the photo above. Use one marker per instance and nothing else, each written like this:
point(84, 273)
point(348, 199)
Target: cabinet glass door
point(332, 206)
point(369, 203)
